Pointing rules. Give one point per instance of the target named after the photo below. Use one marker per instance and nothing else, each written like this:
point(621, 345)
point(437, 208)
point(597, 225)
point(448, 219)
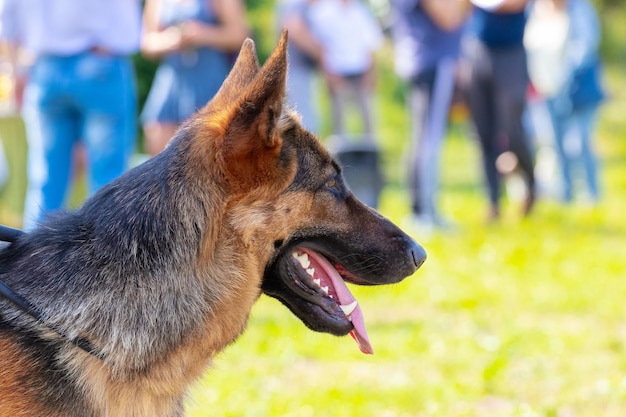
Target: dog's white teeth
point(303, 258)
point(318, 282)
point(325, 289)
point(311, 271)
point(349, 308)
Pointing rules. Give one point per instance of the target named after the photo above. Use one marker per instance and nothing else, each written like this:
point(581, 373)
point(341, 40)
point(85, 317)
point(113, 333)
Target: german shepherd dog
point(116, 308)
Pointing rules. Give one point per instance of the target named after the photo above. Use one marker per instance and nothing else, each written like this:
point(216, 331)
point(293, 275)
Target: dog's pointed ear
point(260, 104)
point(244, 70)
point(252, 139)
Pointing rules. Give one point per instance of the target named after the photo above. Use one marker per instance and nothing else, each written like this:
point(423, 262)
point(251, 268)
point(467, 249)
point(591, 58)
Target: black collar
point(8, 234)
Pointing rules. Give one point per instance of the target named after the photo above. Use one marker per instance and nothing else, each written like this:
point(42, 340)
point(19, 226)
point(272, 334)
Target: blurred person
point(80, 87)
point(195, 41)
point(427, 35)
point(350, 36)
point(564, 64)
point(7, 104)
point(304, 54)
point(4, 165)
point(495, 79)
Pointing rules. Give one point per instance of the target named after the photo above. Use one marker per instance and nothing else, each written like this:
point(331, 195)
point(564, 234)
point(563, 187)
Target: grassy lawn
point(523, 318)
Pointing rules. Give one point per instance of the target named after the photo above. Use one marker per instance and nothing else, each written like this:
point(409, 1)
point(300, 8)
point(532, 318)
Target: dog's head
point(300, 227)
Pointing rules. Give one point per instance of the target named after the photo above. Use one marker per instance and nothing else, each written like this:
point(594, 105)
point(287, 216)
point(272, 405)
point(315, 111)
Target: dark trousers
point(496, 85)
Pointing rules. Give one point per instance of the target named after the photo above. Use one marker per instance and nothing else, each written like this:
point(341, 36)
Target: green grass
point(522, 318)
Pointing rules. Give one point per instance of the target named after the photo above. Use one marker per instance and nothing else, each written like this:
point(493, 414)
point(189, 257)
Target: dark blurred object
point(361, 170)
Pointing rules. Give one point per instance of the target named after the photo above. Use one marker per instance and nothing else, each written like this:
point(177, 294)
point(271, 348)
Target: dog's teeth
point(311, 271)
point(325, 289)
point(303, 259)
point(348, 308)
point(318, 282)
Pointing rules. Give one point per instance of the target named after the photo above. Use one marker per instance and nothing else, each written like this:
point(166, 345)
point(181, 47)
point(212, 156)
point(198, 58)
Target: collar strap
point(26, 307)
point(8, 234)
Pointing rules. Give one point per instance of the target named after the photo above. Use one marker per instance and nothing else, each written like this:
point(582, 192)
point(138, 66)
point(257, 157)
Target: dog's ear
point(260, 103)
point(243, 72)
point(252, 141)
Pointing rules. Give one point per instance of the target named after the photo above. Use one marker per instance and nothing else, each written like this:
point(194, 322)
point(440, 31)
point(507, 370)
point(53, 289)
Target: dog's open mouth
point(327, 279)
point(316, 292)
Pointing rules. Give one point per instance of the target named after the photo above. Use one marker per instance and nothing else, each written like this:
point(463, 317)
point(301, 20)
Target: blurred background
point(522, 317)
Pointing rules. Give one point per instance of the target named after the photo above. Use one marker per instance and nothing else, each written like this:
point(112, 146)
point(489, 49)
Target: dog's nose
point(417, 254)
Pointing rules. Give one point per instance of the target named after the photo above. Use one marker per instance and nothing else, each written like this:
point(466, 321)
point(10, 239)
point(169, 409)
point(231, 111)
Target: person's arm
point(11, 37)
point(227, 35)
point(157, 41)
point(512, 6)
point(447, 14)
point(584, 33)
point(17, 76)
point(302, 37)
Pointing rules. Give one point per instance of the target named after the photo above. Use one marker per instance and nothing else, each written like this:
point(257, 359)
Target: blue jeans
point(89, 98)
point(429, 102)
point(573, 131)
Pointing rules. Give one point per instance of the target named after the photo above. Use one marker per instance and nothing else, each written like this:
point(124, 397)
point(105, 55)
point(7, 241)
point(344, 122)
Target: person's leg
point(157, 135)
point(51, 128)
point(109, 109)
point(337, 92)
point(364, 101)
point(419, 104)
point(516, 138)
point(511, 82)
point(560, 124)
point(442, 91)
point(585, 118)
point(480, 101)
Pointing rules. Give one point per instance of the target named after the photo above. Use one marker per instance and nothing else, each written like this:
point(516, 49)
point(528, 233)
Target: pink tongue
point(345, 297)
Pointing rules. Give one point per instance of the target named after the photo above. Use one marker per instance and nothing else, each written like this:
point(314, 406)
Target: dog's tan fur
point(160, 269)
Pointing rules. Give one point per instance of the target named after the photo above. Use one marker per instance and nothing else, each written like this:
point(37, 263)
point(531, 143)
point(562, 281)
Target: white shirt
point(545, 40)
point(490, 5)
point(348, 32)
point(67, 27)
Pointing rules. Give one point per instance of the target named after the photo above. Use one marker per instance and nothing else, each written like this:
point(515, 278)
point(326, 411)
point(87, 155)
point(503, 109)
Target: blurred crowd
point(529, 73)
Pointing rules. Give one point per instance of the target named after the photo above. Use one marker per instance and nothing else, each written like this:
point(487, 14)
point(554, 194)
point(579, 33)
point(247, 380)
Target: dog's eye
point(334, 185)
